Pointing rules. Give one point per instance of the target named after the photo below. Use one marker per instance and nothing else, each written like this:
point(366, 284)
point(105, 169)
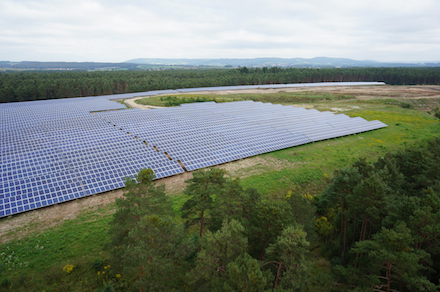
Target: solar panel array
point(59, 150)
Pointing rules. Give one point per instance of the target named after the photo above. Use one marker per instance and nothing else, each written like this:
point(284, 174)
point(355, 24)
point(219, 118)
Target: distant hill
point(31, 65)
point(89, 66)
point(160, 64)
point(321, 62)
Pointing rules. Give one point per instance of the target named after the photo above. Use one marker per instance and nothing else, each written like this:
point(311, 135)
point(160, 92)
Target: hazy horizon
point(114, 31)
point(91, 61)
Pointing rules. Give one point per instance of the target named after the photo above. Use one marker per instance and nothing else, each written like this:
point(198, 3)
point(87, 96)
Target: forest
point(38, 85)
point(377, 223)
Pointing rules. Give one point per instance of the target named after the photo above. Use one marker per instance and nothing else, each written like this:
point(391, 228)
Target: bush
point(406, 105)
point(108, 287)
point(5, 282)
point(98, 264)
point(175, 101)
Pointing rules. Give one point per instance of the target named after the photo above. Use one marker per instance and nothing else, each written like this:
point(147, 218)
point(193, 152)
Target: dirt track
point(38, 220)
point(130, 102)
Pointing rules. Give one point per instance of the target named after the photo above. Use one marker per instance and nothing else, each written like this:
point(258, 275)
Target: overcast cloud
point(116, 31)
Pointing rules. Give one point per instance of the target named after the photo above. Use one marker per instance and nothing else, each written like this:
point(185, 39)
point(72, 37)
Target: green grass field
point(281, 98)
point(43, 260)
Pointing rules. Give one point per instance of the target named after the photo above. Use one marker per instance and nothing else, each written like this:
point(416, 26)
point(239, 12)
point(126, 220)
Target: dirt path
point(130, 102)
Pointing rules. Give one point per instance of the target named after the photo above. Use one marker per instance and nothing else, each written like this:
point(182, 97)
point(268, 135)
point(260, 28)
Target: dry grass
point(256, 165)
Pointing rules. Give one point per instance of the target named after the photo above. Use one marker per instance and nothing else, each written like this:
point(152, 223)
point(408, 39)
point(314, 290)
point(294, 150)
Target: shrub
point(5, 282)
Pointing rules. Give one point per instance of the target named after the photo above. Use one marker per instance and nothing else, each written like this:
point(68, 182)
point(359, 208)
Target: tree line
point(377, 223)
point(24, 86)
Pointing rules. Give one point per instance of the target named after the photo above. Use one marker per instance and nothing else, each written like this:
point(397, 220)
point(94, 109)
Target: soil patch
point(255, 166)
point(360, 92)
point(36, 221)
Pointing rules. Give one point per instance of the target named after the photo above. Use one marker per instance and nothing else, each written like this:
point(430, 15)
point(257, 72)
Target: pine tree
point(145, 240)
point(200, 190)
point(288, 258)
point(218, 249)
point(390, 256)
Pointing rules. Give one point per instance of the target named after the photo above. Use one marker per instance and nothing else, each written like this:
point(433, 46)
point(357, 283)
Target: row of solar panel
point(204, 122)
point(18, 198)
point(11, 175)
point(28, 163)
point(279, 146)
point(205, 138)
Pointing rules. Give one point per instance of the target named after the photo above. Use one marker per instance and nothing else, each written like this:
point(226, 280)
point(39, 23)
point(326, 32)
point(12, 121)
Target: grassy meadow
point(70, 256)
point(64, 258)
point(280, 97)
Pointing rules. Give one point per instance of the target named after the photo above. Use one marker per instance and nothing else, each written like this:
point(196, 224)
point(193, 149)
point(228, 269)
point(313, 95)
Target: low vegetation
point(280, 97)
point(315, 224)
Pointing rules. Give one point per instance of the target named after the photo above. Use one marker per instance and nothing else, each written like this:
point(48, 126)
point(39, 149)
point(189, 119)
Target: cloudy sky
point(116, 31)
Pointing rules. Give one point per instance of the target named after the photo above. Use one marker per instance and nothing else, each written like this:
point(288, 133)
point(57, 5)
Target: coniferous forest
point(377, 223)
point(22, 86)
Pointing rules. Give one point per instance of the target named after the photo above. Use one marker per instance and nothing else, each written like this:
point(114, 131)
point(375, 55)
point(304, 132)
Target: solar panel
point(54, 151)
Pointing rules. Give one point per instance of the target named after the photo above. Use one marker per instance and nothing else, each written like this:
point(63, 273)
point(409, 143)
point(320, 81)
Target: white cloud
point(67, 30)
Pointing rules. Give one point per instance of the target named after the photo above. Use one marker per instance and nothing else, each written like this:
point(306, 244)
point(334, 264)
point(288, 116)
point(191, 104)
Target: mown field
point(70, 256)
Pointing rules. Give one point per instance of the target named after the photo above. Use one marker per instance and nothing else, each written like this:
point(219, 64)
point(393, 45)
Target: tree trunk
point(362, 235)
point(341, 235)
point(366, 225)
point(345, 237)
point(201, 229)
point(278, 275)
point(388, 276)
point(354, 231)
point(140, 276)
point(362, 228)
point(371, 228)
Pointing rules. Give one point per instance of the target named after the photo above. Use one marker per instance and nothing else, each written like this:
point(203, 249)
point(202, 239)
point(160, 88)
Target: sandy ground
point(255, 165)
point(360, 92)
point(37, 220)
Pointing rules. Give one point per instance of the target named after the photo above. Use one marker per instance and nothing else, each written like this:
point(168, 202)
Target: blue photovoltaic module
point(54, 151)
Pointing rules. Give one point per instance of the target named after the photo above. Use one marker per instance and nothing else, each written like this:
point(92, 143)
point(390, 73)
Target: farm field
point(74, 233)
